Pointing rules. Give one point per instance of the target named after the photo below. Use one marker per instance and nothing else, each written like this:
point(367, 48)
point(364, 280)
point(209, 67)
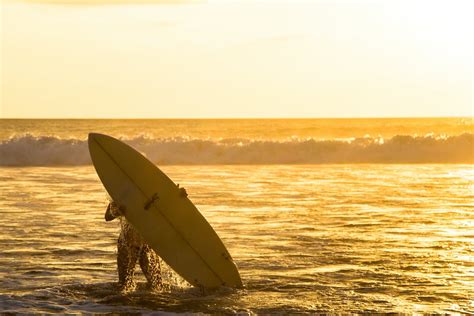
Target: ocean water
point(208, 142)
point(368, 215)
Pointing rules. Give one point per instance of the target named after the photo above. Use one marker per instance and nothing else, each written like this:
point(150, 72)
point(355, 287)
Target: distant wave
point(28, 150)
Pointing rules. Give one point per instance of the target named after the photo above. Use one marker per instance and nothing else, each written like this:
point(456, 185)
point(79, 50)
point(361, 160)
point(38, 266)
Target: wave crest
point(29, 150)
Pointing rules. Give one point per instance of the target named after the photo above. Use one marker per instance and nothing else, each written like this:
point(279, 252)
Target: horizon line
point(234, 118)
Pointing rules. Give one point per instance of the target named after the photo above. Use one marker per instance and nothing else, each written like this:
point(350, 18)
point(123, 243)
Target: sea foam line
point(29, 150)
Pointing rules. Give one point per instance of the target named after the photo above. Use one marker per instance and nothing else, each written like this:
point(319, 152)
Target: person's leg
point(126, 260)
point(150, 265)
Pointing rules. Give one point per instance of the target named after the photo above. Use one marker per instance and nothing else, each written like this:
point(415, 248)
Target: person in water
point(132, 248)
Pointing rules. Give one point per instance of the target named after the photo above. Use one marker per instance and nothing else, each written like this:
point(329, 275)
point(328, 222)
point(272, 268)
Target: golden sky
point(163, 59)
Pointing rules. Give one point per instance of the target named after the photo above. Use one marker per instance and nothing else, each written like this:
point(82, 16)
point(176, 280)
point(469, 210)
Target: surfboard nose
point(92, 135)
point(93, 139)
point(95, 136)
point(90, 139)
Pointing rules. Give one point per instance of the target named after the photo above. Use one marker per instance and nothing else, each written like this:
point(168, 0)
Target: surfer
point(130, 249)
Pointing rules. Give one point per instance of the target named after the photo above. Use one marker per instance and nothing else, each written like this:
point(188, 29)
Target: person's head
point(113, 211)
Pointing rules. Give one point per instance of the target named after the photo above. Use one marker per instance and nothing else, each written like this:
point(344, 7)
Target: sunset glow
point(236, 59)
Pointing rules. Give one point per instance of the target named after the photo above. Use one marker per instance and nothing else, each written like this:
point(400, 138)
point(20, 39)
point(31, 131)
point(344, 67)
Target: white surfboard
point(163, 214)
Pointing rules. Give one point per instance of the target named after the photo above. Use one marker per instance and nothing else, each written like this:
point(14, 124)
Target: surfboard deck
point(162, 214)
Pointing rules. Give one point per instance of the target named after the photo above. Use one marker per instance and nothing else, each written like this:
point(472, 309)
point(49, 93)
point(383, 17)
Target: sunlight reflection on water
point(325, 238)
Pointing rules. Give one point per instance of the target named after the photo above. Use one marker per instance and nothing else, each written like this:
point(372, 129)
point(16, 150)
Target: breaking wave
point(28, 150)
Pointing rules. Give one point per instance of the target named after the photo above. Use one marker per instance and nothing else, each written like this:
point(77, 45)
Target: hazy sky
point(237, 59)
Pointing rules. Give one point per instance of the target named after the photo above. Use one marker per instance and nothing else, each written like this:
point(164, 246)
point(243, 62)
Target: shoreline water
point(306, 239)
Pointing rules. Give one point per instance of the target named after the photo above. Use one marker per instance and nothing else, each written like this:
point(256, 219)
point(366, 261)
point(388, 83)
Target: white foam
point(28, 150)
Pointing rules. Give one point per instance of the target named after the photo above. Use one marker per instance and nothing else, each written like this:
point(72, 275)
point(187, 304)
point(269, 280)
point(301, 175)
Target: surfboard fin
point(182, 192)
